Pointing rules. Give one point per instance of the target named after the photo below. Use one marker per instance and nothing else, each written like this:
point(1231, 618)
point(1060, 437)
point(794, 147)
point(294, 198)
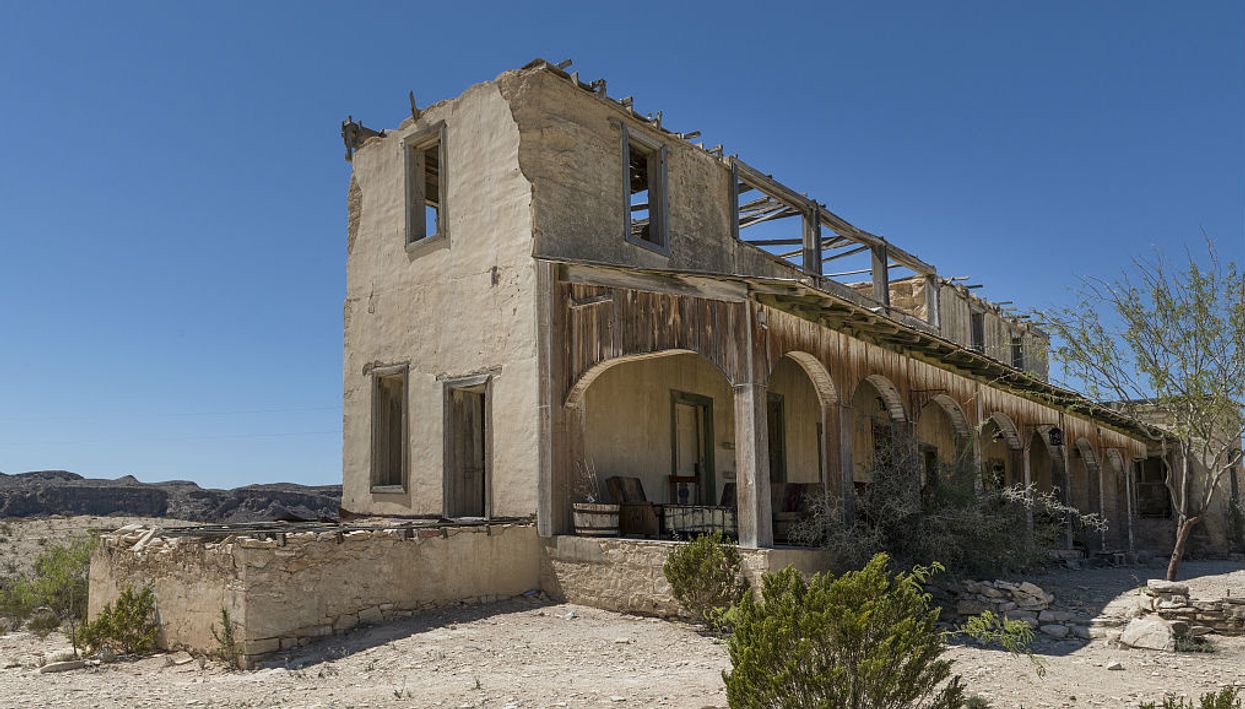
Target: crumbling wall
point(289, 589)
point(626, 574)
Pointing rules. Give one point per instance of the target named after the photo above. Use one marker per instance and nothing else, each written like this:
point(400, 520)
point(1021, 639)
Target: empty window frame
point(977, 330)
point(424, 155)
point(389, 427)
point(776, 225)
point(645, 204)
point(1153, 497)
point(1018, 352)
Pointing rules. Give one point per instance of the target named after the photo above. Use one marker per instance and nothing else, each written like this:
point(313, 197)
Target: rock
point(62, 666)
point(1115, 666)
point(1054, 616)
point(1180, 628)
point(1031, 589)
point(178, 658)
point(1149, 634)
point(1055, 630)
point(1198, 631)
point(1157, 587)
point(970, 606)
point(1081, 631)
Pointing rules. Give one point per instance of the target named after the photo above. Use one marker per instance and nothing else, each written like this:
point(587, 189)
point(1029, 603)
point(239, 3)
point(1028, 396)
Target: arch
point(575, 397)
point(952, 408)
point(817, 374)
point(890, 396)
point(1116, 459)
point(1087, 453)
point(1008, 429)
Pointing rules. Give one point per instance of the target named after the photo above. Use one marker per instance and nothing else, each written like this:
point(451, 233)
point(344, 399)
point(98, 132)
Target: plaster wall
point(934, 428)
point(801, 417)
point(447, 308)
point(626, 574)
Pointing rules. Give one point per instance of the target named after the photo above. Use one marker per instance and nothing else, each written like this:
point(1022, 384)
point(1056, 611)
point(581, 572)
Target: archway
point(943, 437)
point(877, 408)
point(665, 419)
point(1000, 449)
point(1115, 496)
point(1045, 461)
point(800, 395)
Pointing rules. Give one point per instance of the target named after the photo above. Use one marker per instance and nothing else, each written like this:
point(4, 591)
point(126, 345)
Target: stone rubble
point(1024, 600)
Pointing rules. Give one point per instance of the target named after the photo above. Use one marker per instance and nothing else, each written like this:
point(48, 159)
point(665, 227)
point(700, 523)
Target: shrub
point(864, 640)
point(1226, 698)
point(705, 578)
point(126, 627)
point(57, 585)
point(226, 644)
point(971, 531)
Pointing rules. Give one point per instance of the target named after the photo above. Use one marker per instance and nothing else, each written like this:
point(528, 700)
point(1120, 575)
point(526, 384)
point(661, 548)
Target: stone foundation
point(626, 574)
point(286, 589)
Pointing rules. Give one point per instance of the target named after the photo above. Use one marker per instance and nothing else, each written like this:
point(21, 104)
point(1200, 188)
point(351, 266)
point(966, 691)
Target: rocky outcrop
point(60, 492)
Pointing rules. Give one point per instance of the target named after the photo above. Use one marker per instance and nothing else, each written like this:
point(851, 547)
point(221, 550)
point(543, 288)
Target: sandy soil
point(528, 653)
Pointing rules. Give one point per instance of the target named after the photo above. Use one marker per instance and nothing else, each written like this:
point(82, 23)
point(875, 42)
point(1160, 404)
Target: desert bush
point(56, 588)
point(864, 640)
point(705, 577)
point(226, 644)
point(126, 627)
point(969, 528)
point(1226, 698)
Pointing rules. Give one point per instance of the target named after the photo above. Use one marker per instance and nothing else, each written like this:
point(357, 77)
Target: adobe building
point(542, 279)
point(552, 298)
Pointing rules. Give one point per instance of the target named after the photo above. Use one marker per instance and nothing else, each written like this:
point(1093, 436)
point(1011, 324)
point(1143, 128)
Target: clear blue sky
point(172, 189)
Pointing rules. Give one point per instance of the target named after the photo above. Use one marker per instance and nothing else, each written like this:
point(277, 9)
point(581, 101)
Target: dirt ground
point(529, 653)
point(21, 539)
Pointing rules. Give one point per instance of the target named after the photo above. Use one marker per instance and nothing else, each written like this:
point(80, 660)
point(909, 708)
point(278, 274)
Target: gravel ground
point(530, 654)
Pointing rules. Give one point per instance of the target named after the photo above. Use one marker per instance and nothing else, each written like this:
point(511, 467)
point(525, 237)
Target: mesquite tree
point(1166, 345)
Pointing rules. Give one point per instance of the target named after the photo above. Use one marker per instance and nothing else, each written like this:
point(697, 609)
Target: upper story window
point(1018, 352)
point(977, 330)
point(644, 203)
point(425, 185)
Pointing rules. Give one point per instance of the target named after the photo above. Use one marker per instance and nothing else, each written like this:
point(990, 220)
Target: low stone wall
point(288, 590)
point(626, 574)
point(1170, 601)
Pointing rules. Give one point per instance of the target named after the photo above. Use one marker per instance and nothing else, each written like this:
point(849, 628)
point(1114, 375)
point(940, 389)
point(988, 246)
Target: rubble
point(1025, 601)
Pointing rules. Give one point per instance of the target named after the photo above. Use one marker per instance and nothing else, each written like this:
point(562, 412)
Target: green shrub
point(864, 640)
point(127, 627)
point(968, 527)
point(57, 584)
point(226, 644)
point(705, 578)
point(1226, 698)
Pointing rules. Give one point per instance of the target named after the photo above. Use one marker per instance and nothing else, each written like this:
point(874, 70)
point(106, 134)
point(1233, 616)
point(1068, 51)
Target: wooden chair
point(636, 515)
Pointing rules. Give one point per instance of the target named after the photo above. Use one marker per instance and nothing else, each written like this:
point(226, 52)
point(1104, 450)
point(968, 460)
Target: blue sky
point(172, 193)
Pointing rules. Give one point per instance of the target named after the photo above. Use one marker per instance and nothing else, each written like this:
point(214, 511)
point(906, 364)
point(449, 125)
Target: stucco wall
point(449, 310)
point(626, 574)
point(289, 590)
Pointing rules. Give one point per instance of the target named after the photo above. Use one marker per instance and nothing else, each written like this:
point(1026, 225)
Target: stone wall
point(626, 574)
point(291, 588)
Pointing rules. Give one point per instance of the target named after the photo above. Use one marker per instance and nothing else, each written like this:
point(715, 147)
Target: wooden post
point(812, 242)
point(756, 523)
point(932, 299)
point(881, 275)
point(1028, 480)
point(847, 470)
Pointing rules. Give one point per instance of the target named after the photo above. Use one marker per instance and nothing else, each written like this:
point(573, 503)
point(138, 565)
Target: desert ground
point(535, 653)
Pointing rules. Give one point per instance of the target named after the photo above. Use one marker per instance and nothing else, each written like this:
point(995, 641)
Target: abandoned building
point(554, 299)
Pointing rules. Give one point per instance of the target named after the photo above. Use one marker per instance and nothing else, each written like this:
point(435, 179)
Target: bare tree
point(1166, 346)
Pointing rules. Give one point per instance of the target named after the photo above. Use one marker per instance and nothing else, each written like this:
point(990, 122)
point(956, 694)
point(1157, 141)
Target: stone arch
point(575, 397)
point(952, 408)
point(817, 374)
point(1087, 452)
point(1008, 429)
point(890, 396)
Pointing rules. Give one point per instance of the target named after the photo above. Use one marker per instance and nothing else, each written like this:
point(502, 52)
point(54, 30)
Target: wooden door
point(468, 470)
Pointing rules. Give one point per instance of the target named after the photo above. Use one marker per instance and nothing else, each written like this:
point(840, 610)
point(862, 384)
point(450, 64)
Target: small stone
point(62, 666)
point(1055, 630)
point(1157, 587)
point(1197, 631)
point(616, 698)
point(1115, 665)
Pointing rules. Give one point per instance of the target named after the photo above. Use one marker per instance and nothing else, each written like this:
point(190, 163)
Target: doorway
point(691, 433)
point(467, 450)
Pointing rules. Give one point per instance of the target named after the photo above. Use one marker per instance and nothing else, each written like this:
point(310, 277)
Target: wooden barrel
point(594, 519)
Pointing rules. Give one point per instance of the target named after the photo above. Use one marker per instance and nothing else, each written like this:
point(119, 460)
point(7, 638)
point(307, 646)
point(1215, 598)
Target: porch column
point(847, 471)
point(756, 523)
point(831, 481)
point(1102, 501)
point(1028, 481)
point(1128, 503)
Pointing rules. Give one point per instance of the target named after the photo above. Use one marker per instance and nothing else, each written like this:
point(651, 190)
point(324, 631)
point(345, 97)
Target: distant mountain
point(60, 492)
